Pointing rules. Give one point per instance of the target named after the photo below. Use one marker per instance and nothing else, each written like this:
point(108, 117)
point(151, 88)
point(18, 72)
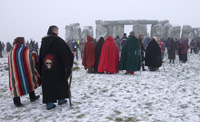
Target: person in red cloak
point(109, 59)
point(89, 55)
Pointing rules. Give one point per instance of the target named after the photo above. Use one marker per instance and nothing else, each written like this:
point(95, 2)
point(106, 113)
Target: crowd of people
point(52, 66)
point(32, 46)
point(132, 53)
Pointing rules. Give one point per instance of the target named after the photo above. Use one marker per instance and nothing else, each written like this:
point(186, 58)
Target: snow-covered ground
point(170, 95)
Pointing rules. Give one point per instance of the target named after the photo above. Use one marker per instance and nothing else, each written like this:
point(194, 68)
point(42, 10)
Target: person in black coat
point(98, 49)
point(153, 55)
point(55, 67)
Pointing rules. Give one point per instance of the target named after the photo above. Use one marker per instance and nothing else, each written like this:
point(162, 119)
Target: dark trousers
point(17, 100)
point(81, 54)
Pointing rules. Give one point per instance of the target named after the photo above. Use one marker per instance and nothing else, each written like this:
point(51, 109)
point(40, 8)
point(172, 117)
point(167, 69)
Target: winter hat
point(89, 38)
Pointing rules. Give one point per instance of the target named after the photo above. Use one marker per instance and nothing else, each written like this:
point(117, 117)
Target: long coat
point(23, 78)
point(82, 44)
point(153, 55)
point(131, 55)
point(88, 54)
point(172, 51)
point(98, 49)
point(54, 66)
point(109, 60)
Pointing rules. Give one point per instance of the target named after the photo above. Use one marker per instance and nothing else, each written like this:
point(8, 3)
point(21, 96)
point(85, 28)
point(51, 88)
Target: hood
point(89, 38)
point(109, 38)
point(47, 41)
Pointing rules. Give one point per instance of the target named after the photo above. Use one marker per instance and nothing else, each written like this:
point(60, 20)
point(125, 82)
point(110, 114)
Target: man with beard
point(54, 67)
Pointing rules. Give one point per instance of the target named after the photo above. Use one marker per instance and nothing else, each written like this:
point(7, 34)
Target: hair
point(132, 33)
point(140, 36)
point(19, 40)
point(52, 29)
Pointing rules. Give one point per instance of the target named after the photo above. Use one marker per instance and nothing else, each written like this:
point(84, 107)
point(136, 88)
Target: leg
point(17, 101)
point(50, 105)
point(33, 97)
point(143, 69)
point(81, 54)
point(77, 54)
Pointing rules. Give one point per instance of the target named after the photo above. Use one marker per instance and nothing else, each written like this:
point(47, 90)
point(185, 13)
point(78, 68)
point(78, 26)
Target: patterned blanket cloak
point(22, 76)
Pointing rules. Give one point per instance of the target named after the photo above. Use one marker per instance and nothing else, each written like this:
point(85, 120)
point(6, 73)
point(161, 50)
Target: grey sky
point(31, 18)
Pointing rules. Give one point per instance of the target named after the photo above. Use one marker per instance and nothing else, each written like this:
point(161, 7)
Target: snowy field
point(170, 95)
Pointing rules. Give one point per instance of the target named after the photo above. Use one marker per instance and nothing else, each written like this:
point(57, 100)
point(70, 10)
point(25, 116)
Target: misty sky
point(32, 18)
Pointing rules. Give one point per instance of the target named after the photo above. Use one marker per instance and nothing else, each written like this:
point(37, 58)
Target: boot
point(62, 101)
point(50, 105)
point(17, 102)
point(33, 97)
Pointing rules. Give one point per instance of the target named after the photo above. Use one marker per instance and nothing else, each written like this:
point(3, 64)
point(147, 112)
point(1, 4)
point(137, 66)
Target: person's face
point(56, 31)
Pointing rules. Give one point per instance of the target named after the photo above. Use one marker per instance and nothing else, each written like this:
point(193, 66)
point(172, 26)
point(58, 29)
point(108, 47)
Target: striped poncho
point(22, 76)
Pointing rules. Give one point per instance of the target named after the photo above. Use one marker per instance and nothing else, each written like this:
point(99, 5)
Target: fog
point(31, 19)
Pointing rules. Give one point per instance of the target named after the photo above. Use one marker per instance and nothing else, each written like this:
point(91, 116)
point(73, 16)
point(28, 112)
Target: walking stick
point(70, 81)
point(163, 67)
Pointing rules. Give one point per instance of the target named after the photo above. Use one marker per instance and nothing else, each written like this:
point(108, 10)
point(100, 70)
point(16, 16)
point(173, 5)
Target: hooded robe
point(109, 59)
point(131, 55)
point(88, 53)
point(98, 49)
point(54, 66)
point(153, 54)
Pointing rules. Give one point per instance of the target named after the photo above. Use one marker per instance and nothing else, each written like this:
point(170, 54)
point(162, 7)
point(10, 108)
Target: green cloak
point(131, 55)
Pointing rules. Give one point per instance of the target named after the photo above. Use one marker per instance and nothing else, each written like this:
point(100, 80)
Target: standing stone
point(118, 30)
point(101, 31)
point(166, 30)
point(77, 33)
point(175, 32)
point(163, 22)
point(198, 32)
point(110, 30)
point(186, 31)
point(157, 31)
point(69, 33)
point(87, 30)
point(140, 29)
